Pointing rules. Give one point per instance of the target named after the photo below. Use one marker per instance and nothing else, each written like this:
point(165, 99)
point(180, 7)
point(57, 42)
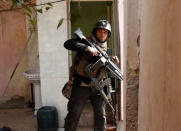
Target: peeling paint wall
point(33, 50)
point(129, 19)
point(133, 32)
point(12, 41)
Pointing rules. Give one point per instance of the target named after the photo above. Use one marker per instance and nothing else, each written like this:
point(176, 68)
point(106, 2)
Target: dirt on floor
point(18, 120)
point(16, 115)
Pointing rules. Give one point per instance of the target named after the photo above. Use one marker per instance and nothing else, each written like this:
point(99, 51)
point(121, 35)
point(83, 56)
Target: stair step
point(85, 129)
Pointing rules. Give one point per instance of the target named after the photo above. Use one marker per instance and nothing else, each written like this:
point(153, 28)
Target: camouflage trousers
point(77, 101)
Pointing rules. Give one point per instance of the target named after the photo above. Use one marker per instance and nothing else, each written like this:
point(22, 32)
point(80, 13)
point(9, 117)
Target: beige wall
point(160, 73)
point(33, 51)
point(12, 41)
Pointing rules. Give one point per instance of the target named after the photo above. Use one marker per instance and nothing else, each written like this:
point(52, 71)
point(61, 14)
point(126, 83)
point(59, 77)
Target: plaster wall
point(132, 68)
point(123, 51)
point(12, 42)
point(129, 32)
point(33, 51)
point(160, 73)
point(53, 57)
point(133, 31)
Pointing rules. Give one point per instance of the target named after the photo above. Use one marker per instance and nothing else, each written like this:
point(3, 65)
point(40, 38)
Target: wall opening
point(85, 14)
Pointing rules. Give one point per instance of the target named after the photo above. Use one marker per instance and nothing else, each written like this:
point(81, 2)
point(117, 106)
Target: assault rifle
point(103, 61)
point(104, 58)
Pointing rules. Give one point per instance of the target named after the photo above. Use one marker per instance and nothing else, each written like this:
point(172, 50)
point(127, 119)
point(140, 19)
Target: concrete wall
point(128, 12)
point(132, 70)
point(33, 50)
point(53, 57)
point(12, 41)
point(160, 73)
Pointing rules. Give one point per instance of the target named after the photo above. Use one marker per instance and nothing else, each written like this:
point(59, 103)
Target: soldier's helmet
point(102, 24)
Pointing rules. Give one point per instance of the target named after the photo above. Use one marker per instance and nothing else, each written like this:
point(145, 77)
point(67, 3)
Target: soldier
point(81, 91)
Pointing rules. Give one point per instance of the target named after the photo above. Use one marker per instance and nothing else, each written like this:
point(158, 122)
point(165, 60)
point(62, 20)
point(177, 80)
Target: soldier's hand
point(116, 60)
point(92, 50)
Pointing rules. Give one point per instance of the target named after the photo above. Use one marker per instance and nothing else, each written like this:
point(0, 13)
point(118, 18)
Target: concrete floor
point(15, 115)
point(18, 120)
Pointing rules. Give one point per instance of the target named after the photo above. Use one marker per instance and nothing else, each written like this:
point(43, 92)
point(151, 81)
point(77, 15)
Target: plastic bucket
point(47, 118)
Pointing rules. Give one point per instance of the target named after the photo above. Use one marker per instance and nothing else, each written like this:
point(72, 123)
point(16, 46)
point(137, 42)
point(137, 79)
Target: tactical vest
point(77, 70)
point(80, 64)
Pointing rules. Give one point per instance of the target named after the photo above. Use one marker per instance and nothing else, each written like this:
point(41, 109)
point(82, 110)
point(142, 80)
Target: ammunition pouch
point(67, 89)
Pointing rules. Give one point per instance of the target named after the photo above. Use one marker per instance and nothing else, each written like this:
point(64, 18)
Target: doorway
point(86, 14)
